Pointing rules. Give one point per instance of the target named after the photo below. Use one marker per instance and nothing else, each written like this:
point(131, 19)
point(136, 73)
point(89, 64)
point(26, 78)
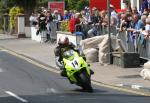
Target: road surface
point(23, 82)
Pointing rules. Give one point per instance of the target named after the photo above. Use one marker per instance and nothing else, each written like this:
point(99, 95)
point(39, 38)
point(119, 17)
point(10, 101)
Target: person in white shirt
point(33, 19)
point(114, 16)
point(147, 26)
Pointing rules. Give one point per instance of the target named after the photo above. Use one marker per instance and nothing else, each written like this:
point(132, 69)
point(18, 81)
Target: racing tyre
point(85, 82)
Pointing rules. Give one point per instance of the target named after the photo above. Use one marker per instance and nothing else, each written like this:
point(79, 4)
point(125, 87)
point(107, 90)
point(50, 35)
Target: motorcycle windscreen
point(69, 55)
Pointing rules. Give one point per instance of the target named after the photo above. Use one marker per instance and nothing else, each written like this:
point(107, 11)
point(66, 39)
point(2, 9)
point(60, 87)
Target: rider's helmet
point(63, 40)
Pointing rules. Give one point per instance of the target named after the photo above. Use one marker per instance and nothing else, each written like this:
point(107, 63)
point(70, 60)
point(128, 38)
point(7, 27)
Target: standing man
point(42, 22)
point(49, 20)
point(57, 17)
point(114, 16)
point(144, 6)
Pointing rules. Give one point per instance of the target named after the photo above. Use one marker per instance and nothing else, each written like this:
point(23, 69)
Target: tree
point(27, 5)
point(76, 4)
point(81, 4)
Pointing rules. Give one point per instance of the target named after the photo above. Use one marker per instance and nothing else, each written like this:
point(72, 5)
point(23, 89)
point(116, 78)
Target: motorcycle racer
point(63, 45)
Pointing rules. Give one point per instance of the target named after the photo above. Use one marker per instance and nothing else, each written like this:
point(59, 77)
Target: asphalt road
point(23, 82)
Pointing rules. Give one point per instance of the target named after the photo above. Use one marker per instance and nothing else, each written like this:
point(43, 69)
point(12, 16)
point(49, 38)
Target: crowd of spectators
point(130, 20)
point(42, 20)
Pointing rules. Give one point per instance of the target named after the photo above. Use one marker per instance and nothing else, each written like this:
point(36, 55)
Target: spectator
point(145, 33)
point(49, 20)
point(141, 22)
point(145, 12)
point(104, 20)
point(70, 14)
point(144, 5)
point(123, 22)
point(87, 13)
point(33, 20)
point(95, 17)
point(49, 16)
point(95, 20)
point(66, 15)
point(129, 20)
point(42, 22)
point(135, 11)
point(129, 10)
point(57, 18)
point(135, 25)
point(114, 16)
point(103, 14)
point(148, 4)
point(133, 29)
point(84, 18)
point(119, 19)
point(73, 22)
point(147, 28)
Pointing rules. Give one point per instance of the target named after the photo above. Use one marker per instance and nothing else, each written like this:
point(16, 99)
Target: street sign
point(56, 5)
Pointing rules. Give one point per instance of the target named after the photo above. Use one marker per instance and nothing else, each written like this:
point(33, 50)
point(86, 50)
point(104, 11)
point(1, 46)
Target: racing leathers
point(59, 50)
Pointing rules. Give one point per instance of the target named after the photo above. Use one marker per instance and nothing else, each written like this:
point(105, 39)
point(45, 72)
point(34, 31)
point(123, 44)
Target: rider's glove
point(59, 63)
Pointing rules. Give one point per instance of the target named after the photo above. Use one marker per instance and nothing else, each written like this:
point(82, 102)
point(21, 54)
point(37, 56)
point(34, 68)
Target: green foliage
point(7, 6)
point(81, 4)
point(55, 0)
point(71, 4)
point(14, 11)
point(64, 26)
point(76, 4)
point(42, 2)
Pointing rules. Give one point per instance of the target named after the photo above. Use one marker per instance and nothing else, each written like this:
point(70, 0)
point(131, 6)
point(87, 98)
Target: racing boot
point(63, 73)
point(92, 72)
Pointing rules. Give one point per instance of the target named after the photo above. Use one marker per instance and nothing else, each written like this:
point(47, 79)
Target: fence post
point(21, 25)
point(109, 35)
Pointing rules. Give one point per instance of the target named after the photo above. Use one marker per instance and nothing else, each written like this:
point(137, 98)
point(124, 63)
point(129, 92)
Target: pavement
point(108, 75)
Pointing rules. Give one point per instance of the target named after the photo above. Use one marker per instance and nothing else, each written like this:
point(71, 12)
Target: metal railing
point(139, 46)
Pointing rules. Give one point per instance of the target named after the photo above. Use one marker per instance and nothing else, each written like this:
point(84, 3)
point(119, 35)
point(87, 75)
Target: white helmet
point(63, 40)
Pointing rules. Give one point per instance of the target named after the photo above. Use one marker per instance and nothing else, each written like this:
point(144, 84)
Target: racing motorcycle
point(77, 69)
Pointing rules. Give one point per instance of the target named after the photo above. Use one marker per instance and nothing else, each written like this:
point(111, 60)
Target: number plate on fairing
point(75, 63)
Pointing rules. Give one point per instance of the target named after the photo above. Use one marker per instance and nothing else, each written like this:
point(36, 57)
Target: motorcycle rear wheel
point(85, 82)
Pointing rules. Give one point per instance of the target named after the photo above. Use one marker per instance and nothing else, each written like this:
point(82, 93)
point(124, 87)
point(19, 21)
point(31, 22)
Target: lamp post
point(109, 35)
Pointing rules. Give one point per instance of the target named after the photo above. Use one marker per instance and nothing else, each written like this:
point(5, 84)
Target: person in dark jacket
point(42, 22)
point(144, 5)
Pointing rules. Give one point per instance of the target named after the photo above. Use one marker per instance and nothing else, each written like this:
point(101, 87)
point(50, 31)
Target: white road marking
point(1, 70)
point(15, 96)
point(93, 81)
point(120, 89)
point(4, 50)
point(136, 86)
point(31, 61)
point(52, 90)
point(120, 85)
